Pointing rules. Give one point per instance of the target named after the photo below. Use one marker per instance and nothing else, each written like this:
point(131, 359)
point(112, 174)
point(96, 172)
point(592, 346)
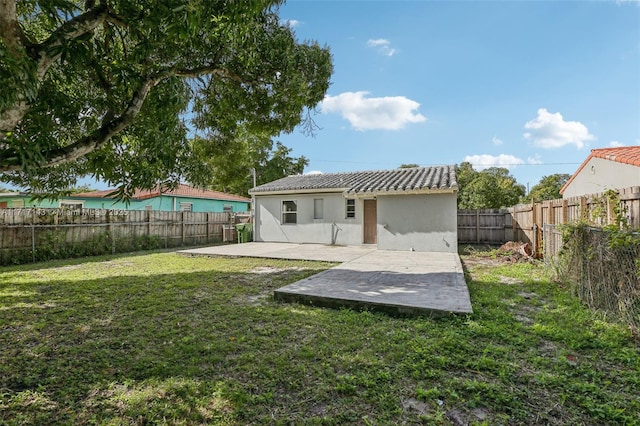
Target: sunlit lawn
point(162, 338)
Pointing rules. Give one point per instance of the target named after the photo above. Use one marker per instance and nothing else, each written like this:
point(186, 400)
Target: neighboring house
point(183, 198)
point(604, 169)
point(401, 209)
point(9, 200)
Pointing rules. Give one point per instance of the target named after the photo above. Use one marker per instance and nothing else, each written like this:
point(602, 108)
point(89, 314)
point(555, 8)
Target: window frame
point(289, 217)
point(350, 208)
point(71, 204)
point(182, 204)
point(318, 213)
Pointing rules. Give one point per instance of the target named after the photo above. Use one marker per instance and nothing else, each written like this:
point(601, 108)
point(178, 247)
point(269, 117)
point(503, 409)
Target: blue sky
point(528, 85)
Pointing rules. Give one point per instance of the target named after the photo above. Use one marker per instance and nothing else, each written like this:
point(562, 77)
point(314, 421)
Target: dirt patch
point(547, 348)
point(510, 252)
point(414, 405)
point(253, 300)
point(509, 280)
point(525, 320)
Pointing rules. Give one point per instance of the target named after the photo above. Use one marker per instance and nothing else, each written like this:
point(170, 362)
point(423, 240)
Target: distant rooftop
point(625, 155)
point(396, 181)
point(181, 191)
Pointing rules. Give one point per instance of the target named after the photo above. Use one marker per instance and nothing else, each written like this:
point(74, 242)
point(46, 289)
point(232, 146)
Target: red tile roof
point(625, 154)
point(181, 191)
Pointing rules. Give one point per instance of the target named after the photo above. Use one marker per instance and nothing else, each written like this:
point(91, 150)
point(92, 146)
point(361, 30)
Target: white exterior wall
point(268, 218)
point(600, 175)
point(425, 222)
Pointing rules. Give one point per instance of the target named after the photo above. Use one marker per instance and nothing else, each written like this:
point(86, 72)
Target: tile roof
point(397, 181)
point(181, 191)
point(625, 154)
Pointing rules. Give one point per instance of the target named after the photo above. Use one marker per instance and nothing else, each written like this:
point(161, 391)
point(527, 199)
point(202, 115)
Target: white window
point(186, 207)
point(351, 209)
point(289, 212)
point(73, 205)
point(318, 208)
point(17, 203)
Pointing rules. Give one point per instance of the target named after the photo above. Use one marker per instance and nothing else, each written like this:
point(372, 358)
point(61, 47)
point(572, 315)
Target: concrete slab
point(391, 281)
point(319, 252)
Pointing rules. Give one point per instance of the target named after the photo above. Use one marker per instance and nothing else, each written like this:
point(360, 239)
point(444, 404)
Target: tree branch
point(47, 52)
point(101, 136)
point(44, 54)
point(205, 70)
point(10, 31)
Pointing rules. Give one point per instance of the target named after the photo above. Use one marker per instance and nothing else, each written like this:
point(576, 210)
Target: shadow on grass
point(136, 346)
point(160, 338)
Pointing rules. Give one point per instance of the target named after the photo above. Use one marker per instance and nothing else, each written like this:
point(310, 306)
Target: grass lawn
point(164, 339)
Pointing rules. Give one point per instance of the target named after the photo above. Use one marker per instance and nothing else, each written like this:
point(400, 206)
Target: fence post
point(611, 213)
point(149, 220)
point(182, 228)
point(166, 234)
point(208, 225)
point(584, 214)
point(33, 243)
point(552, 213)
point(112, 232)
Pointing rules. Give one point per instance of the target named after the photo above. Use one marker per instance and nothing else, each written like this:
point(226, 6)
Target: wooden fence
point(525, 222)
point(37, 234)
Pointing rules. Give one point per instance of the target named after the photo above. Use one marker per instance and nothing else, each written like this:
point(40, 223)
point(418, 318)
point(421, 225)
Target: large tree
point(230, 167)
point(548, 188)
point(111, 88)
point(491, 188)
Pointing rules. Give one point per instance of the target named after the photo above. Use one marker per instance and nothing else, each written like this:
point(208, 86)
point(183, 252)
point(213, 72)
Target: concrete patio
point(392, 281)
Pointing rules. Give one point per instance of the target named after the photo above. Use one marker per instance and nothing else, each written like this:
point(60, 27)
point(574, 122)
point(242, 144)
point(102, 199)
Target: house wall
point(161, 203)
point(333, 228)
point(16, 201)
point(426, 222)
point(600, 175)
point(405, 222)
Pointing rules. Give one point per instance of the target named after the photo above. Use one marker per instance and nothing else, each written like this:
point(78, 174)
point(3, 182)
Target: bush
point(603, 267)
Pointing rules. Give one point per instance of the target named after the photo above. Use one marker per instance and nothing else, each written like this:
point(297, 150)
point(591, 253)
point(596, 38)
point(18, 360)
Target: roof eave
point(348, 194)
point(299, 191)
point(424, 191)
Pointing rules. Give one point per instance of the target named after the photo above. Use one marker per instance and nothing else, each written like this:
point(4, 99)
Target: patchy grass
point(160, 338)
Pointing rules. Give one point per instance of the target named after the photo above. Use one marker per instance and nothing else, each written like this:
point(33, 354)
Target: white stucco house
point(401, 209)
point(604, 169)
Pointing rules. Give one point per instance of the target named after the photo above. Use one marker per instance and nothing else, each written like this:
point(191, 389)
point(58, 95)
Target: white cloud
point(314, 172)
point(497, 141)
point(382, 46)
point(549, 130)
point(484, 161)
point(388, 113)
point(616, 144)
point(534, 160)
point(292, 23)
